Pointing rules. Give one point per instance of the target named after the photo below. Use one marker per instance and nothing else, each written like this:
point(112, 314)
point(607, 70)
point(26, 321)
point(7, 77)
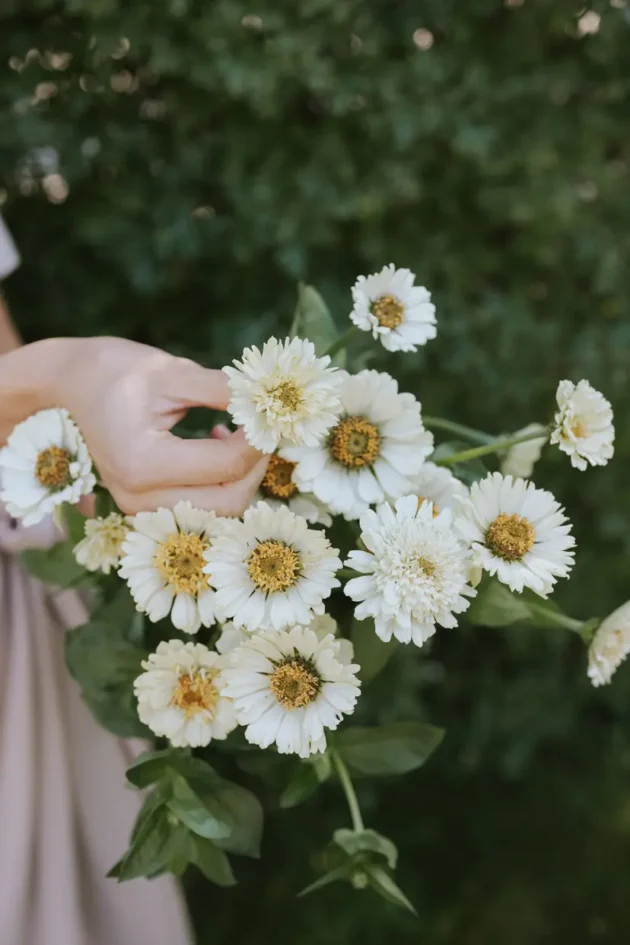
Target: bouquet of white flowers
point(257, 637)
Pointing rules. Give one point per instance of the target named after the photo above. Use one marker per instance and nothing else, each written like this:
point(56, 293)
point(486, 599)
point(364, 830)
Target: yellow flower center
point(288, 395)
point(295, 683)
point(355, 442)
point(195, 693)
point(426, 566)
point(388, 311)
point(274, 566)
point(52, 468)
point(578, 429)
point(180, 561)
point(510, 536)
point(277, 482)
point(423, 498)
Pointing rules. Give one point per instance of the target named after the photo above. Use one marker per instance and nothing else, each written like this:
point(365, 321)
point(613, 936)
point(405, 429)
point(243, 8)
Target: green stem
point(560, 619)
point(347, 573)
point(342, 341)
point(495, 447)
point(440, 423)
point(348, 789)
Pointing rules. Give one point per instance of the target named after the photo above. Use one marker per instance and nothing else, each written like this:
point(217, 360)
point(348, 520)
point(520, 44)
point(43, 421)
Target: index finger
point(197, 386)
point(171, 461)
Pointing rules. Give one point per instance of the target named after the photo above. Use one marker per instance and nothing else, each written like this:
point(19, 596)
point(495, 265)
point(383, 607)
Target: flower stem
point(494, 447)
point(467, 433)
point(560, 619)
point(342, 341)
point(348, 789)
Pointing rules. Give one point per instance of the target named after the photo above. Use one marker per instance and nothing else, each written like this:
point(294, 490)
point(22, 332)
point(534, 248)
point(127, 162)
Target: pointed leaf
point(496, 606)
point(313, 320)
point(196, 813)
point(146, 852)
point(338, 874)
point(382, 883)
point(74, 522)
point(388, 749)
point(212, 862)
point(354, 843)
point(150, 766)
point(370, 652)
point(302, 785)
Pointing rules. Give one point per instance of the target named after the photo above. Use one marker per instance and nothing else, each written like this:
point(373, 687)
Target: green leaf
point(150, 766)
point(115, 709)
point(74, 521)
point(243, 811)
point(496, 606)
point(389, 749)
point(355, 843)
point(146, 853)
point(104, 503)
point(302, 785)
point(212, 862)
point(336, 875)
point(313, 320)
point(56, 565)
point(195, 812)
point(370, 652)
point(179, 851)
point(382, 883)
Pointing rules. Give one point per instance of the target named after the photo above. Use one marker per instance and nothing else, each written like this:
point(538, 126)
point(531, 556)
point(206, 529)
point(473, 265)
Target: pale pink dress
point(65, 813)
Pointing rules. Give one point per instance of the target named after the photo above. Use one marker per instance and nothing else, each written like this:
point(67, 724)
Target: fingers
point(197, 386)
point(168, 460)
point(220, 432)
point(228, 499)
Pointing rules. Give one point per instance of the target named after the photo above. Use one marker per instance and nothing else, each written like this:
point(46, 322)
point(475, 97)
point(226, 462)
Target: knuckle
point(130, 470)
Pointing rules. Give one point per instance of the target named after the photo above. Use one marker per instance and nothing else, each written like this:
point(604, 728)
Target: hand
point(125, 398)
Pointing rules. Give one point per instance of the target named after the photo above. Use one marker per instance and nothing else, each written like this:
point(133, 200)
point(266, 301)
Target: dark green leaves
point(370, 652)
point(496, 606)
point(56, 565)
point(306, 779)
point(313, 320)
point(389, 749)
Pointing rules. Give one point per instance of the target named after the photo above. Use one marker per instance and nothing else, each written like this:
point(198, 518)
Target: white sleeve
point(9, 258)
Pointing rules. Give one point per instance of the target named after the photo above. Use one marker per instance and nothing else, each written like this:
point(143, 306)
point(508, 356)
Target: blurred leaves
point(391, 749)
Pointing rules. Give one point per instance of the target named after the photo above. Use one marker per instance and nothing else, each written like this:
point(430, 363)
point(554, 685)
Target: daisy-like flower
point(583, 425)
point(163, 563)
point(181, 694)
point(322, 626)
point(271, 570)
point(518, 532)
point(284, 394)
point(278, 488)
point(521, 458)
point(101, 548)
point(44, 464)
point(290, 686)
point(439, 486)
point(414, 572)
point(397, 312)
point(373, 451)
point(610, 646)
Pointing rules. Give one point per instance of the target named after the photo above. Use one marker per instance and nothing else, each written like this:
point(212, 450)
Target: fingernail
point(222, 431)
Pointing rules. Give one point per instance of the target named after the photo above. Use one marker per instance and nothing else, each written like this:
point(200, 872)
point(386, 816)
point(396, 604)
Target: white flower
point(414, 571)
point(101, 548)
point(278, 489)
point(163, 563)
point(322, 626)
point(583, 425)
point(44, 464)
point(284, 394)
point(373, 452)
point(271, 570)
point(518, 532)
point(398, 313)
point(439, 486)
point(520, 459)
point(181, 694)
point(610, 646)
point(290, 686)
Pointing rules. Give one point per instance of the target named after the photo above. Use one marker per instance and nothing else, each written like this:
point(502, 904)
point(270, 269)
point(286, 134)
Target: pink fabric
point(65, 814)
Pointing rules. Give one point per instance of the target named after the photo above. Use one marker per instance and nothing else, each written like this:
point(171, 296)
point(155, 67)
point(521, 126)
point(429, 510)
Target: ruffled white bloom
point(520, 459)
point(583, 425)
point(278, 489)
point(271, 570)
point(163, 563)
point(414, 571)
point(610, 646)
point(181, 694)
point(439, 486)
point(284, 394)
point(290, 686)
point(518, 532)
point(398, 313)
point(373, 452)
point(44, 464)
point(101, 548)
point(323, 625)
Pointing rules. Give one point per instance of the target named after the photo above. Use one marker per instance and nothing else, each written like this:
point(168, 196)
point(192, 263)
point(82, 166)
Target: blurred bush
point(172, 170)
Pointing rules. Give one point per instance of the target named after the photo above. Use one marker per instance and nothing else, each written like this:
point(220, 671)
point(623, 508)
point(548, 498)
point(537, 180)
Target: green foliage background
point(225, 150)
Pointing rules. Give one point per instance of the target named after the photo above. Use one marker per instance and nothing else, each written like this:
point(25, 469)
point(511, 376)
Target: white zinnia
point(181, 694)
point(163, 562)
point(521, 458)
point(372, 453)
point(290, 686)
point(278, 489)
point(101, 548)
point(518, 532)
point(583, 425)
point(44, 464)
point(398, 313)
point(271, 570)
point(414, 572)
point(283, 394)
point(439, 486)
point(610, 646)
point(323, 625)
